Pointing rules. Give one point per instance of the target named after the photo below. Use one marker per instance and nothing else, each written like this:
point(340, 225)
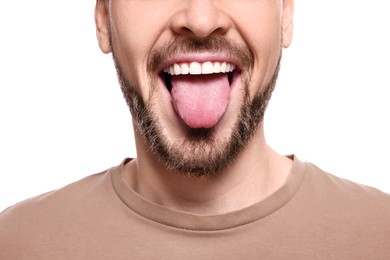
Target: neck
point(253, 176)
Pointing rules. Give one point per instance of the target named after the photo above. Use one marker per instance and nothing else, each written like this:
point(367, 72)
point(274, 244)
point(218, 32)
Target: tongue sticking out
point(200, 100)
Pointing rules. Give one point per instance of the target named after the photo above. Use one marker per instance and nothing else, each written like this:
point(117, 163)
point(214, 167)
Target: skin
point(133, 29)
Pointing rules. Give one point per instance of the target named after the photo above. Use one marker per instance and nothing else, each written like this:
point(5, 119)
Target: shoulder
point(63, 197)
point(33, 221)
point(328, 185)
point(344, 203)
point(68, 196)
point(337, 214)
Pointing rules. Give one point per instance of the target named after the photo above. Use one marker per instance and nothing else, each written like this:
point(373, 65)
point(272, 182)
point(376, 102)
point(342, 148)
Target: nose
point(200, 19)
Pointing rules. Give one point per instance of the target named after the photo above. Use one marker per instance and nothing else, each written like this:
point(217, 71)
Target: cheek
point(135, 35)
point(261, 31)
point(138, 26)
point(130, 51)
point(259, 23)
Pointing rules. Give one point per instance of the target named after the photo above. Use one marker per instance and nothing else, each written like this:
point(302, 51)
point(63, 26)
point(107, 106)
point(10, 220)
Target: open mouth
point(200, 91)
point(197, 68)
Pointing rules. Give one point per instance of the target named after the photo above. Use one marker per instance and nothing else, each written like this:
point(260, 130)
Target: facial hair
point(202, 153)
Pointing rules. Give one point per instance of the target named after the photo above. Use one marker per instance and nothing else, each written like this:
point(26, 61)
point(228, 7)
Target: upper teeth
point(197, 68)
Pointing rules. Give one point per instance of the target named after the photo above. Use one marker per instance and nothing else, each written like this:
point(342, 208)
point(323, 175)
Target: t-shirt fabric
point(314, 215)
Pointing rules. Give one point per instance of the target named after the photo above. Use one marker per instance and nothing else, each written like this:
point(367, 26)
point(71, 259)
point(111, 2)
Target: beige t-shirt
point(315, 215)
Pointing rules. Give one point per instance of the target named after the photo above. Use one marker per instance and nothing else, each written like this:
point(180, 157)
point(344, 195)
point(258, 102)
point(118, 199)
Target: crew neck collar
point(188, 221)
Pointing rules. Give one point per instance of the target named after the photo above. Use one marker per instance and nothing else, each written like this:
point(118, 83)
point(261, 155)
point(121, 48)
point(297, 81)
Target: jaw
point(200, 151)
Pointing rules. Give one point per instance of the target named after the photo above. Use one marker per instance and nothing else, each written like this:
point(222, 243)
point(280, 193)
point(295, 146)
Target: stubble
point(202, 153)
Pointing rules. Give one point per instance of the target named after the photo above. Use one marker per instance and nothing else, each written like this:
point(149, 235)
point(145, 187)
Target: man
point(197, 76)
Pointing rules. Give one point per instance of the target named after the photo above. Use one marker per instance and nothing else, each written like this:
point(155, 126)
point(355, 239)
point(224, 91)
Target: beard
point(202, 153)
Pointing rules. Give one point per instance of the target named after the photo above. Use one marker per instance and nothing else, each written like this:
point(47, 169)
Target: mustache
point(213, 44)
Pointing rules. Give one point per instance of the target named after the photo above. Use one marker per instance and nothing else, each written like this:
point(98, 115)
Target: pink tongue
point(200, 100)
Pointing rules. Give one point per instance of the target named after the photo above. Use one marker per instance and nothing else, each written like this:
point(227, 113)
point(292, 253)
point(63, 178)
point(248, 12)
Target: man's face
point(198, 74)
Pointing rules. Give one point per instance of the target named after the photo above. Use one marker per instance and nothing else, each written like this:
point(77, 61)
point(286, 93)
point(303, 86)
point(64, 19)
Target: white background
point(62, 115)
